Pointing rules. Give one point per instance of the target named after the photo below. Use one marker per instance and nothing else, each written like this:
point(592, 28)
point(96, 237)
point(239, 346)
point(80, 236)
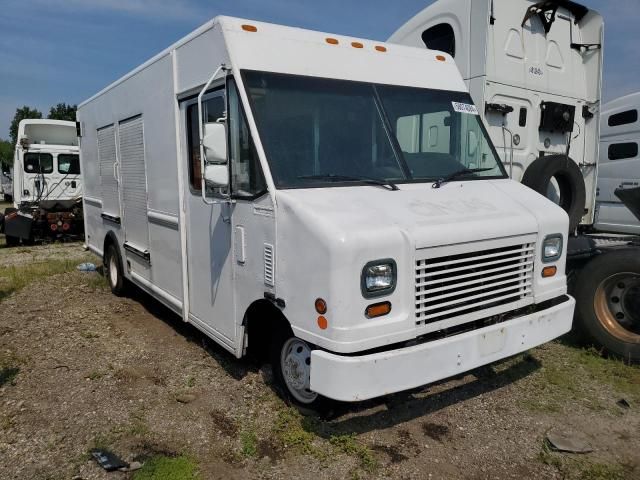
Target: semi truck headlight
point(379, 278)
point(552, 248)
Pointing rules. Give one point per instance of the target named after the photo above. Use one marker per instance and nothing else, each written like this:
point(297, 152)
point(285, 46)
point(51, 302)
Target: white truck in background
point(619, 168)
point(6, 184)
point(47, 183)
point(264, 183)
point(534, 68)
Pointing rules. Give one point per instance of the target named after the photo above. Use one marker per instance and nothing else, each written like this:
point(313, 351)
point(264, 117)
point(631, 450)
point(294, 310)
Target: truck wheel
point(608, 302)
point(114, 271)
point(291, 364)
point(569, 179)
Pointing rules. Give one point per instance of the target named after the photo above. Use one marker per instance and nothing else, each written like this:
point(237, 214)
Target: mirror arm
point(203, 185)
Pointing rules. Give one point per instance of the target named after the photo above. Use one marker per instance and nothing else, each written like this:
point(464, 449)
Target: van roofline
point(230, 24)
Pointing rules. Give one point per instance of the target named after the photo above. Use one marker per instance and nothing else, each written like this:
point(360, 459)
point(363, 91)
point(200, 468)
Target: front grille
point(456, 285)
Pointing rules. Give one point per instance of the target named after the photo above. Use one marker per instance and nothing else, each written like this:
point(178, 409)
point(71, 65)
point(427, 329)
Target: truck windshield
point(319, 132)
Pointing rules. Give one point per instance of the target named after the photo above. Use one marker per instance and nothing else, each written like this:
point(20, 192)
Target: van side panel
point(149, 94)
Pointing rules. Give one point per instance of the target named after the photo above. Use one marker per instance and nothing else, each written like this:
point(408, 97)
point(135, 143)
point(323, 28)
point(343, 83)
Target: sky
point(54, 51)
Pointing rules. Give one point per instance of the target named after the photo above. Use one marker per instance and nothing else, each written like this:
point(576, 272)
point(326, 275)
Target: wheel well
point(109, 239)
point(261, 319)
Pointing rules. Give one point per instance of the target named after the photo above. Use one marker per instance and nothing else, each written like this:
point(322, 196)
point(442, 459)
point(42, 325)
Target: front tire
point(608, 302)
point(291, 364)
point(114, 270)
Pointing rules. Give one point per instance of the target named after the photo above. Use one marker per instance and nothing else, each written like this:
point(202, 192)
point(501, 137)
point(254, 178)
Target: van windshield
point(319, 132)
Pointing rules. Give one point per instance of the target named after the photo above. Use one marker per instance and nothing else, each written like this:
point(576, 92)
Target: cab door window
point(212, 111)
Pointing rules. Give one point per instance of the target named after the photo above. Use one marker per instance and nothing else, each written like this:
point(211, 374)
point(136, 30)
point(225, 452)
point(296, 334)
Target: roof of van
point(275, 48)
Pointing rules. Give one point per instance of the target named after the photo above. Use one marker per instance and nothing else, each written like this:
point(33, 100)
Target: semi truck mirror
point(215, 143)
point(217, 175)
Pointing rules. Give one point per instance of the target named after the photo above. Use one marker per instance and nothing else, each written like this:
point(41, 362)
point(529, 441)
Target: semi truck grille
point(456, 285)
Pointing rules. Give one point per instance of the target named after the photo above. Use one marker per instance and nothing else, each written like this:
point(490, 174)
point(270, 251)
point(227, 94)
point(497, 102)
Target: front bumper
point(355, 378)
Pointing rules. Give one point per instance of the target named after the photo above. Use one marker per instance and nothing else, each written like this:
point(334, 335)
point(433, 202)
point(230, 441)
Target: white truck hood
point(458, 212)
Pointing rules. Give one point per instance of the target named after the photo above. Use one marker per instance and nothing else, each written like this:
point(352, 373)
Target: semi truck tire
point(114, 270)
point(569, 179)
point(607, 294)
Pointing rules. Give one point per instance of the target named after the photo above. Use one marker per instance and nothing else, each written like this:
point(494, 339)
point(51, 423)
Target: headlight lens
point(552, 248)
point(378, 278)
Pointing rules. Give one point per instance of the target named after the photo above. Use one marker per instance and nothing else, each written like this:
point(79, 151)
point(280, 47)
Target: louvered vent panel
point(456, 285)
point(269, 265)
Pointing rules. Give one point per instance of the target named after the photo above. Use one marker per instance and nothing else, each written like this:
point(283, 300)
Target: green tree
point(21, 114)
point(6, 154)
point(62, 111)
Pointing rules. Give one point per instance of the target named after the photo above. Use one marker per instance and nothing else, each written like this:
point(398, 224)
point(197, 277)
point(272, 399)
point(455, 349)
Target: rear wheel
point(291, 364)
point(608, 302)
point(114, 271)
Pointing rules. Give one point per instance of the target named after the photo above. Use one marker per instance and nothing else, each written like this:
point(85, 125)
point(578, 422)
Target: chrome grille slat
point(447, 287)
point(475, 274)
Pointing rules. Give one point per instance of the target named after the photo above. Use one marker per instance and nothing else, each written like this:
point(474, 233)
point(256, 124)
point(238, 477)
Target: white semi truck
point(270, 185)
point(619, 168)
point(534, 70)
point(47, 183)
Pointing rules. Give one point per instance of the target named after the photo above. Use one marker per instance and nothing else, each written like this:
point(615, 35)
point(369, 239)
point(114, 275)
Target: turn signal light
point(378, 309)
point(249, 28)
point(549, 272)
point(323, 323)
point(321, 306)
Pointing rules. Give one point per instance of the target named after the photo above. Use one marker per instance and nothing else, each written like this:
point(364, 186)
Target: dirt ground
point(81, 368)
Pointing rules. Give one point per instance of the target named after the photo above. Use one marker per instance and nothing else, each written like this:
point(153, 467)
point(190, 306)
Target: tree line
point(61, 111)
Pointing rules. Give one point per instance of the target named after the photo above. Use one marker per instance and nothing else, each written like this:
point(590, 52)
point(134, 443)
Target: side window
point(247, 179)
point(213, 109)
point(623, 118)
point(621, 151)
point(68, 164)
point(426, 133)
point(440, 37)
point(38, 163)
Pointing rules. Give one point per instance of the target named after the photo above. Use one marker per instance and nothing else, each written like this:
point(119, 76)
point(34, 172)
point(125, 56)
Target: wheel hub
point(295, 361)
point(617, 303)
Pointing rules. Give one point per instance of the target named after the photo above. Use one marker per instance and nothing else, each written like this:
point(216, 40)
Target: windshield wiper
point(460, 173)
point(347, 178)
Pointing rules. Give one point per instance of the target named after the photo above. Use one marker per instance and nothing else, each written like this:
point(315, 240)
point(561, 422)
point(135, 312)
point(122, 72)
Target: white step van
point(534, 68)
point(310, 222)
point(47, 182)
point(619, 164)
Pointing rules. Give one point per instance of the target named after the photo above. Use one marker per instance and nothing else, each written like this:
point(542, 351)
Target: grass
point(571, 375)
point(350, 445)
point(580, 467)
point(15, 277)
point(249, 442)
point(168, 468)
point(294, 431)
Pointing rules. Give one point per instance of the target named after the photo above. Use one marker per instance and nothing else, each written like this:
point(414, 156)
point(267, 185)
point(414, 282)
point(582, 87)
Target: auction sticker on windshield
point(465, 108)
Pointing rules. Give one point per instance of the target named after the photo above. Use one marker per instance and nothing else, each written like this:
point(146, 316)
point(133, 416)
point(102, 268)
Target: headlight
point(378, 278)
point(552, 248)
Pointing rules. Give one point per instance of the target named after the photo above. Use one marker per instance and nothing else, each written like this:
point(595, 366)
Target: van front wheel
point(291, 364)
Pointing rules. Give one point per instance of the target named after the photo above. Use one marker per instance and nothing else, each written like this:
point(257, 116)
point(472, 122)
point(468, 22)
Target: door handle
point(115, 175)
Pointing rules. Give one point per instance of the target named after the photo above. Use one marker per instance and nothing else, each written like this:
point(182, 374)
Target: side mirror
point(214, 142)
point(216, 175)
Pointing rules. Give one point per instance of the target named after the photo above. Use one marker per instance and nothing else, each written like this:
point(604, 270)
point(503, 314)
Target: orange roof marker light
point(441, 58)
point(357, 45)
point(249, 28)
point(380, 48)
point(332, 41)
